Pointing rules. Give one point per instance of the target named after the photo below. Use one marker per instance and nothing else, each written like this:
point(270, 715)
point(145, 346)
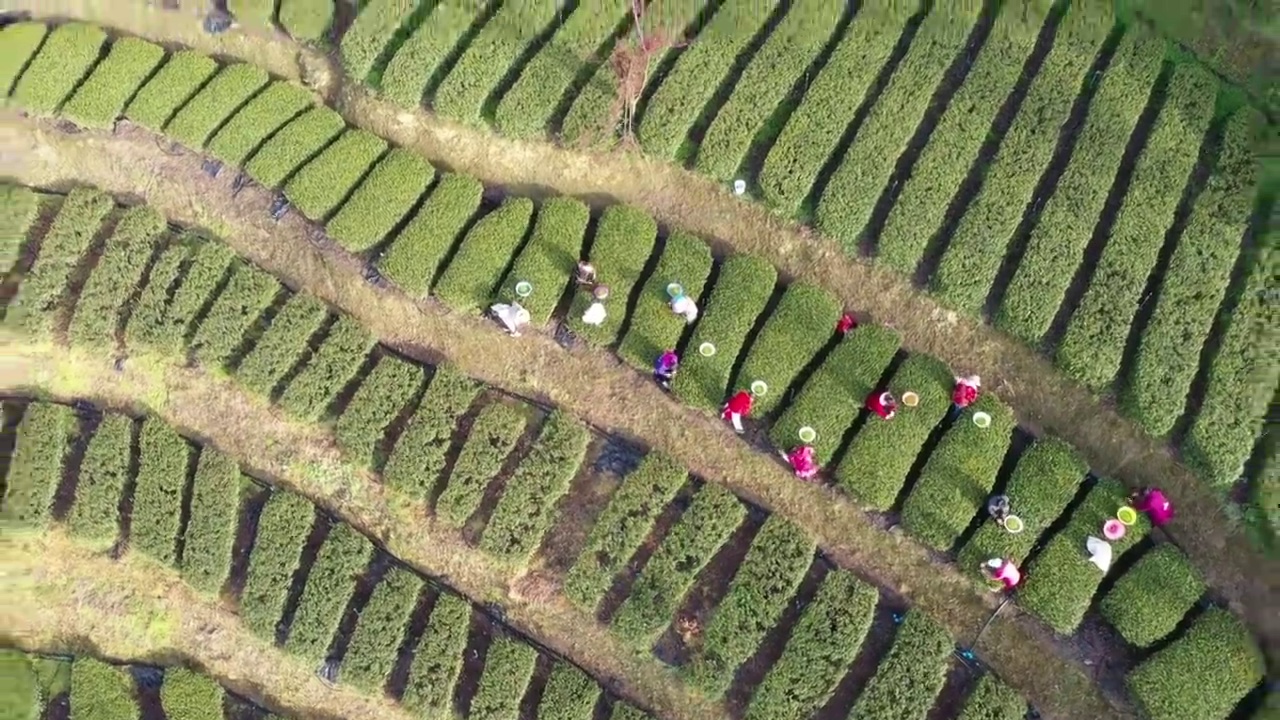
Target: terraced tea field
point(249, 362)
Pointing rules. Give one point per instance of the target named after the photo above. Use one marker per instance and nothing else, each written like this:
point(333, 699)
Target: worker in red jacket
point(738, 407)
point(965, 393)
point(883, 404)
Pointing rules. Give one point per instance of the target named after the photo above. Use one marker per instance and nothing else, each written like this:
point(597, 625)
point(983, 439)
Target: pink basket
point(1113, 529)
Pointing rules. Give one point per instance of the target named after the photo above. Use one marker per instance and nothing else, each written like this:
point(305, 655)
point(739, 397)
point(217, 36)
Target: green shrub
point(492, 52)
point(413, 69)
point(473, 274)
point(1066, 223)
point(766, 81)
point(654, 327)
point(115, 278)
point(42, 441)
point(329, 369)
point(1044, 481)
point(380, 630)
point(793, 334)
point(991, 699)
point(258, 120)
point(101, 692)
point(508, 668)
point(102, 97)
point(527, 108)
point(977, 247)
point(320, 186)
point(953, 145)
point(95, 512)
point(830, 400)
point(418, 457)
point(570, 694)
point(492, 437)
point(342, 558)
point(258, 13)
point(285, 341)
point(817, 654)
point(909, 677)
point(382, 395)
point(762, 588)
point(19, 687)
point(959, 475)
point(61, 250)
point(815, 127)
point(18, 209)
point(163, 457)
point(283, 527)
point(740, 294)
point(65, 58)
point(698, 71)
point(414, 256)
point(623, 710)
point(623, 243)
point(20, 41)
point(169, 89)
point(876, 464)
point(437, 661)
point(226, 92)
point(293, 145)
point(221, 333)
point(306, 19)
point(700, 532)
point(188, 695)
point(526, 509)
point(384, 198)
point(196, 289)
point(1060, 582)
point(548, 260)
point(625, 522)
point(1203, 674)
point(1149, 600)
point(367, 37)
point(1168, 356)
point(214, 517)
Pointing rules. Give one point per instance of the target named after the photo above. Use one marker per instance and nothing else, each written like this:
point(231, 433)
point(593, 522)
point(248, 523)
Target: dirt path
point(58, 595)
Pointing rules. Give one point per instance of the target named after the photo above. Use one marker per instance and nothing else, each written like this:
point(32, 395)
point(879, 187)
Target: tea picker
point(1004, 572)
point(1153, 502)
point(882, 404)
point(965, 393)
point(585, 274)
point(664, 369)
point(596, 313)
point(512, 316)
point(739, 406)
point(682, 304)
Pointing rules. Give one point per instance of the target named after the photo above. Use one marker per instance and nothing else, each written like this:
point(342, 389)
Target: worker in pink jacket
point(1153, 502)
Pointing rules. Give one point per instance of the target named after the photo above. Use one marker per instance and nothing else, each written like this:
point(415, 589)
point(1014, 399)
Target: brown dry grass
point(537, 367)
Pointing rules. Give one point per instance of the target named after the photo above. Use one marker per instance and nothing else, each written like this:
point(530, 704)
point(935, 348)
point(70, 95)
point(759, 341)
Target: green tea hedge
point(977, 246)
point(115, 278)
point(854, 188)
point(18, 209)
point(739, 296)
point(178, 308)
point(282, 345)
point(1155, 391)
point(1095, 339)
point(163, 457)
point(799, 327)
point(623, 710)
point(258, 120)
point(701, 531)
point(321, 185)
point(253, 12)
point(42, 441)
point(245, 297)
point(380, 630)
point(330, 368)
point(1203, 674)
point(817, 654)
point(876, 464)
point(832, 397)
point(384, 198)
point(382, 395)
point(953, 145)
point(654, 327)
point(61, 250)
point(623, 243)
point(226, 92)
point(178, 80)
point(21, 40)
point(65, 58)
point(508, 668)
point(476, 269)
point(625, 522)
point(342, 558)
point(21, 691)
point(414, 255)
point(104, 471)
point(570, 694)
point(293, 145)
point(762, 588)
point(147, 317)
point(213, 519)
point(414, 68)
point(1066, 223)
point(909, 677)
point(816, 125)
point(526, 509)
point(101, 98)
point(189, 695)
point(418, 457)
point(437, 661)
point(493, 435)
point(367, 37)
point(277, 549)
point(101, 692)
point(306, 19)
point(1149, 600)
point(548, 260)
point(991, 699)
point(959, 475)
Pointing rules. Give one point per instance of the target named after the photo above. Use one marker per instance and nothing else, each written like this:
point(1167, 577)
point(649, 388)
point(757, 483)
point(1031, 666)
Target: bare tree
point(632, 62)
